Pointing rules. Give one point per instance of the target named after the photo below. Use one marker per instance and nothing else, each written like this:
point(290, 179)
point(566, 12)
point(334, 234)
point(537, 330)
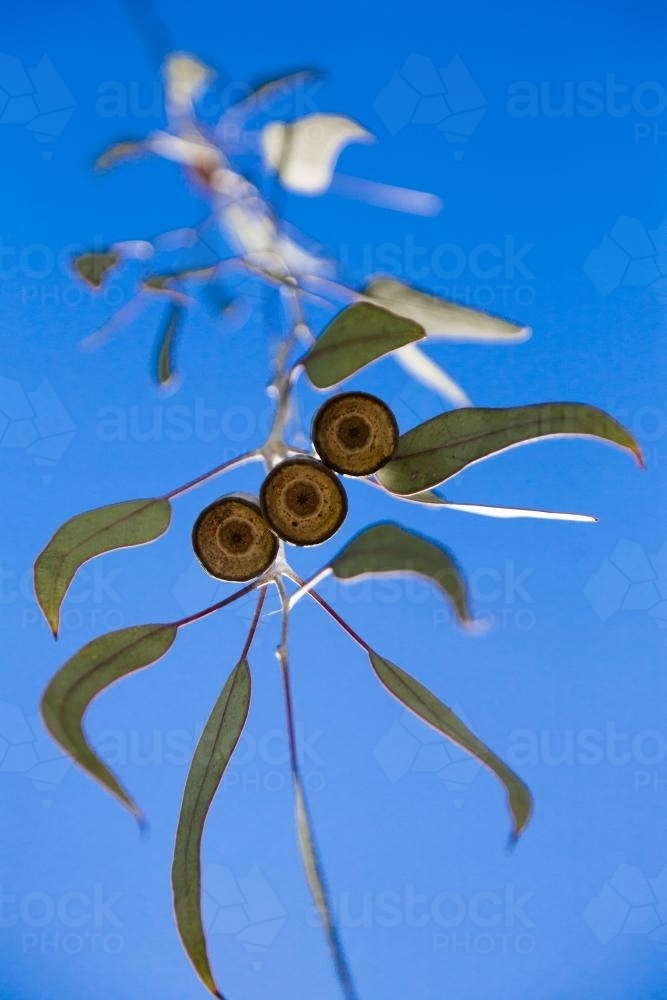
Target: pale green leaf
point(99, 664)
point(212, 755)
point(117, 526)
point(431, 710)
point(443, 446)
point(389, 548)
point(186, 78)
point(360, 334)
point(442, 318)
point(165, 369)
point(94, 267)
point(304, 152)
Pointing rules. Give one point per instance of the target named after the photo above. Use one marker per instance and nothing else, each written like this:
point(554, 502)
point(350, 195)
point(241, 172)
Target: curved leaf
point(119, 152)
point(99, 664)
point(93, 267)
point(304, 152)
point(88, 535)
point(431, 710)
point(186, 78)
point(438, 449)
point(165, 370)
point(389, 548)
point(441, 318)
point(214, 750)
point(430, 374)
point(360, 334)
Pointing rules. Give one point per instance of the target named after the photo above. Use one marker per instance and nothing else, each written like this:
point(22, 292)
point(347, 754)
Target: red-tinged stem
point(249, 456)
point(334, 614)
point(254, 623)
point(198, 615)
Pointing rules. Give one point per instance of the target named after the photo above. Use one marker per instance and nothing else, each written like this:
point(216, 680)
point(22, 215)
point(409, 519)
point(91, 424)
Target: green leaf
point(431, 710)
point(214, 750)
point(128, 149)
point(95, 667)
point(162, 282)
point(360, 334)
point(438, 449)
point(88, 535)
point(389, 548)
point(317, 885)
point(165, 370)
point(93, 267)
point(441, 318)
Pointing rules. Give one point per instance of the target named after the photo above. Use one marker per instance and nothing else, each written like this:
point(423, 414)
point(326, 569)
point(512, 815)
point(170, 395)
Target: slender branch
point(249, 456)
point(254, 623)
point(198, 615)
point(310, 854)
point(331, 611)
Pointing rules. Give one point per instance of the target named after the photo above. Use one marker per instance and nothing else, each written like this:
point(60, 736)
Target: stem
point(334, 614)
point(254, 623)
point(198, 615)
point(249, 456)
point(309, 852)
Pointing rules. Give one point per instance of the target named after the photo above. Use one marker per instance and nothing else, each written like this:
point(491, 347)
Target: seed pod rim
point(304, 460)
point(363, 395)
point(253, 505)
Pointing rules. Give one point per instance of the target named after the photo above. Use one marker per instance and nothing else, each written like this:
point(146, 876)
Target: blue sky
point(567, 683)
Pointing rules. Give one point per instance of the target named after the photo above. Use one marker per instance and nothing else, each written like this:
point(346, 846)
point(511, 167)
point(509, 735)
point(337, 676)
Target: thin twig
point(198, 615)
point(232, 463)
point(310, 854)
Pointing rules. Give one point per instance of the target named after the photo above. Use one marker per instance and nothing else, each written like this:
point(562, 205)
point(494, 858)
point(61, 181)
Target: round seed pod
point(303, 501)
point(232, 540)
point(355, 433)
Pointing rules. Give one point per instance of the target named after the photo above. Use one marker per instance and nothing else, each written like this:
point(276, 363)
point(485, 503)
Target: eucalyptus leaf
point(117, 526)
point(360, 334)
point(165, 370)
point(94, 267)
point(119, 152)
point(304, 152)
point(317, 886)
point(442, 318)
point(440, 448)
point(431, 710)
point(212, 755)
point(389, 548)
point(95, 667)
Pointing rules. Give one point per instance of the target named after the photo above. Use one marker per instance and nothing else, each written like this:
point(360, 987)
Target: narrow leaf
point(431, 710)
point(317, 886)
point(360, 334)
point(95, 667)
point(94, 267)
point(165, 370)
point(389, 548)
point(305, 152)
point(441, 318)
point(494, 510)
point(430, 374)
point(128, 149)
point(88, 535)
point(212, 755)
point(438, 449)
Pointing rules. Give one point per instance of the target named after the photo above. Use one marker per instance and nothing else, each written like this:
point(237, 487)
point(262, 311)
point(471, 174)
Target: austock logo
point(421, 94)
point(410, 747)
point(37, 98)
point(34, 421)
point(630, 256)
point(630, 579)
point(630, 903)
point(246, 908)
